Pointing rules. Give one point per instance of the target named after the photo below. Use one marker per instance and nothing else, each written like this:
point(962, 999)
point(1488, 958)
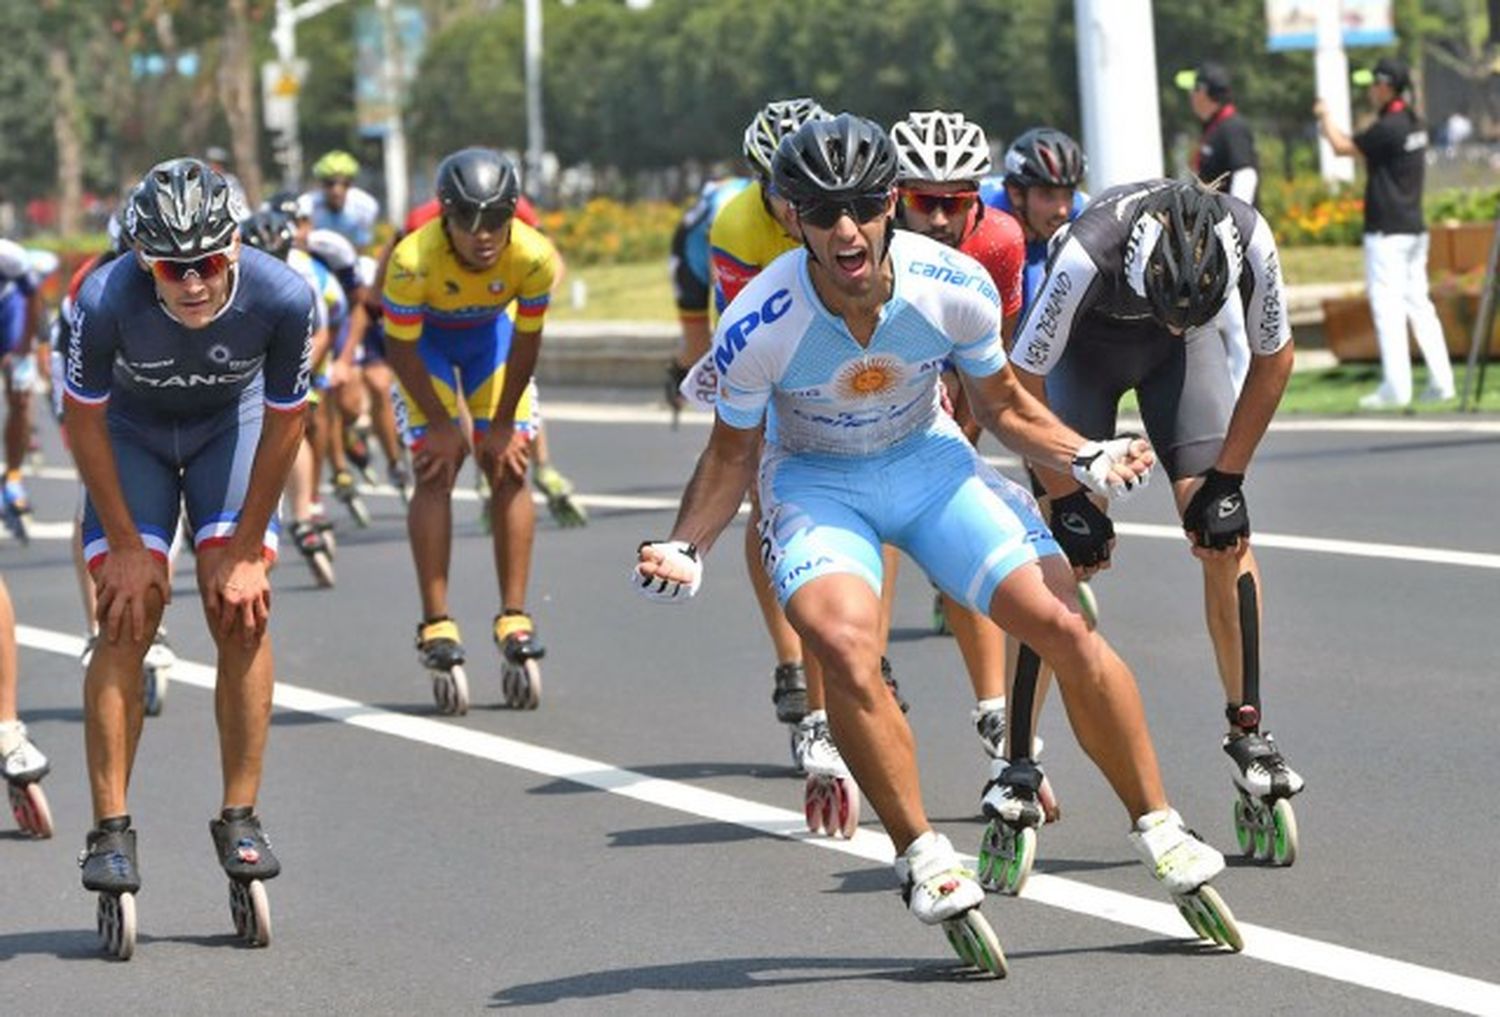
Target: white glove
point(1093, 462)
point(681, 557)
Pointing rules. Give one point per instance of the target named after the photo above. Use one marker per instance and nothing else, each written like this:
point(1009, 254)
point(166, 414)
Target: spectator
point(1226, 161)
point(1226, 158)
point(1394, 148)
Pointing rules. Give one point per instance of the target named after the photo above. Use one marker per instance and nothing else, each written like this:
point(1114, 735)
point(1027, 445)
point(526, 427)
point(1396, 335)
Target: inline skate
point(938, 890)
point(442, 654)
point(830, 798)
point(109, 868)
point(1183, 864)
point(520, 651)
point(245, 853)
point(23, 766)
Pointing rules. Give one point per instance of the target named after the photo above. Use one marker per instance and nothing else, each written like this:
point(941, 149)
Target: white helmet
point(774, 122)
point(13, 260)
point(940, 148)
point(332, 249)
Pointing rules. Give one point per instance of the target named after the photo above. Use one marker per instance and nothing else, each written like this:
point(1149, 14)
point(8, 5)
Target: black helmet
point(1183, 254)
point(1044, 157)
point(270, 230)
point(834, 160)
point(478, 187)
point(289, 204)
point(183, 209)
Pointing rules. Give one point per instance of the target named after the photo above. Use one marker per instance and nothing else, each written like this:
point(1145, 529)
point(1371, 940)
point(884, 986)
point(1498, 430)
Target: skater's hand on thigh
point(443, 450)
point(239, 596)
point(503, 448)
point(124, 581)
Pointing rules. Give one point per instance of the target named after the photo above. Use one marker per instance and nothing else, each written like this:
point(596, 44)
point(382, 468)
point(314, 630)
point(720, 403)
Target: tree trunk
point(65, 120)
point(237, 93)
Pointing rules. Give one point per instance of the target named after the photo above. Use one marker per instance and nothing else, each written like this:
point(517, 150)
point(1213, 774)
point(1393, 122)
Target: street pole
point(1117, 83)
point(284, 35)
point(397, 174)
point(1331, 69)
point(536, 142)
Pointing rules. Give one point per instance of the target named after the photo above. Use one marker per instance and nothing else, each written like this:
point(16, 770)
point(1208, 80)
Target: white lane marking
point(1320, 545)
point(651, 413)
point(1356, 967)
point(1281, 541)
point(38, 529)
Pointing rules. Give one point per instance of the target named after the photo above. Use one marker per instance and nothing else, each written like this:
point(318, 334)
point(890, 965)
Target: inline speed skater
point(179, 316)
point(908, 476)
point(448, 289)
point(1129, 303)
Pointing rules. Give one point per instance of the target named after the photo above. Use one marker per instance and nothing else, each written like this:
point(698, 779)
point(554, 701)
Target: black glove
point(675, 375)
point(1081, 530)
point(1217, 517)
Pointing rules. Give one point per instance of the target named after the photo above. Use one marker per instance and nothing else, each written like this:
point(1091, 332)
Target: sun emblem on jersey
point(868, 378)
point(219, 353)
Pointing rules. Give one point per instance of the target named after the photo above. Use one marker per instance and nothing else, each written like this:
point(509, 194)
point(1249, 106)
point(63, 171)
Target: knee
point(1064, 640)
point(848, 648)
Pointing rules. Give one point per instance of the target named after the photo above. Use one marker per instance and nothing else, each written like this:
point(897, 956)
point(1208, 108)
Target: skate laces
point(442, 628)
point(513, 625)
point(931, 863)
point(1173, 850)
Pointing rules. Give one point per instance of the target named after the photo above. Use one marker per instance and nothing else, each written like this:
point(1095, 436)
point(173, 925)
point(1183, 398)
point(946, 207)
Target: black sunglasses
point(861, 208)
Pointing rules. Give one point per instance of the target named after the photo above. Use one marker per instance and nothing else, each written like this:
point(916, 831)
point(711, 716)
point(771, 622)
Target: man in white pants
point(1394, 149)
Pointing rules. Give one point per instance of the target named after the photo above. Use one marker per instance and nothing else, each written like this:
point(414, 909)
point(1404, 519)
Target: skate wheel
point(1088, 604)
point(533, 672)
point(1244, 826)
point(29, 803)
point(154, 691)
point(1264, 840)
point(794, 747)
point(251, 910)
point(360, 511)
point(975, 942)
point(1019, 869)
point(1283, 834)
point(1210, 918)
point(521, 685)
point(848, 806)
point(322, 566)
point(815, 805)
point(939, 617)
point(115, 920)
point(451, 691)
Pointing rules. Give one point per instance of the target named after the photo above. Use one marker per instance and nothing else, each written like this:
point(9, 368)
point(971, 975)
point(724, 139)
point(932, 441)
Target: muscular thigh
point(811, 525)
point(150, 481)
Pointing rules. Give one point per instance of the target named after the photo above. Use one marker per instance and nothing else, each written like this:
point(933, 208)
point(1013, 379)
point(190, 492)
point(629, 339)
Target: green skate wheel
point(1022, 857)
point(1244, 829)
point(939, 617)
point(991, 867)
point(1264, 842)
point(975, 942)
point(1088, 604)
point(1189, 913)
point(1219, 919)
point(1284, 834)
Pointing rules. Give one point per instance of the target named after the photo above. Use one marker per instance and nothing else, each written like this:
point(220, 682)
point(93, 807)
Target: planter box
point(1349, 332)
point(1459, 248)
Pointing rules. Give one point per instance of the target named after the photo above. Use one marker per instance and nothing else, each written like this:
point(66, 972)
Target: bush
point(609, 231)
point(1305, 211)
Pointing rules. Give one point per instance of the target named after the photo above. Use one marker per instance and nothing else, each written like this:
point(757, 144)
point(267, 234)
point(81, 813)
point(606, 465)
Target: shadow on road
point(733, 973)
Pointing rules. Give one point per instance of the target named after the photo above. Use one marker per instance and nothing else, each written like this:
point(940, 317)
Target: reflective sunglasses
point(490, 219)
point(953, 205)
point(210, 266)
point(861, 208)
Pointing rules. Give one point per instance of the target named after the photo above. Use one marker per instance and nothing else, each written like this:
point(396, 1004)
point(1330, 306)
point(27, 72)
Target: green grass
point(635, 291)
point(1336, 391)
point(1303, 265)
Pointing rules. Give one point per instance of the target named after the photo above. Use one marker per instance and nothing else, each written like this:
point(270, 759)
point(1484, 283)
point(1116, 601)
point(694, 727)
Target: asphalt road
point(635, 846)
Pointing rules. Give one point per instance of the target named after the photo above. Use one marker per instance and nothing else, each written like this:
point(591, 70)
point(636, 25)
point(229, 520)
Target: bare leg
point(10, 667)
point(513, 526)
point(242, 700)
point(1038, 604)
point(838, 617)
point(113, 712)
point(429, 527)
